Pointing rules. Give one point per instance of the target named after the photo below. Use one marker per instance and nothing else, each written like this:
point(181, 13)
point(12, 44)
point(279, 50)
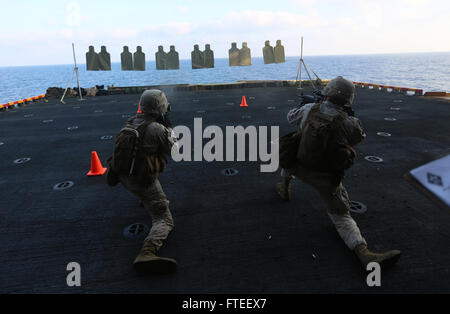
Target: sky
point(41, 32)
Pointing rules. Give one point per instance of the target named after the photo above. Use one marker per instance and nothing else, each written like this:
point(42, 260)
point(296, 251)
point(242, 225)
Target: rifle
point(164, 118)
point(349, 110)
point(308, 99)
point(319, 97)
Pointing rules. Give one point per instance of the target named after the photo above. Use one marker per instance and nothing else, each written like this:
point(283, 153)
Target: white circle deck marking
point(390, 119)
point(137, 230)
point(230, 172)
point(22, 160)
point(63, 185)
point(374, 159)
point(385, 134)
point(357, 207)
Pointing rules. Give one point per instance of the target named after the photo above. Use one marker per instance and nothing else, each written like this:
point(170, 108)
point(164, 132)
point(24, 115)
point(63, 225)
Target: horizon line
point(257, 57)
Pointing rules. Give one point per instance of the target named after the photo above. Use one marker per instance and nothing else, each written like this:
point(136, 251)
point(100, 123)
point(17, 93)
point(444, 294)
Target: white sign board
point(435, 177)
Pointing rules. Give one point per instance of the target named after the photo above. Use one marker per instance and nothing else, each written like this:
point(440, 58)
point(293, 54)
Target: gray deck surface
point(232, 234)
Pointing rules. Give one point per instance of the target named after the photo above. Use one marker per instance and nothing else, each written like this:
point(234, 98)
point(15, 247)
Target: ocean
point(427, 71)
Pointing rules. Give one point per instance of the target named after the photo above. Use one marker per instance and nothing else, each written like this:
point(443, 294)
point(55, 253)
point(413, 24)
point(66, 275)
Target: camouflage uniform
point(334, 195)
point(157, 140)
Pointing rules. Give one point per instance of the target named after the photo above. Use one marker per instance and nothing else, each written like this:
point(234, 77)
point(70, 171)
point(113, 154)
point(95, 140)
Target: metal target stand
point(75, 72)
point(302, 65)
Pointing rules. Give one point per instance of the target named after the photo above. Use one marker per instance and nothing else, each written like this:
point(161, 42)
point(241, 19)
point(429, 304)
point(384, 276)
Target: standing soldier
point(325, 151)
point(139, 157)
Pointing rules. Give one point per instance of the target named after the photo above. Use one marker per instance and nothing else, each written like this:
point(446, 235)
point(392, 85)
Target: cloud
point(169, 29)
point(329, 27)
point(182, 9)
point(67, 33)
point(373, 14)
point(281, 20)
point(303, 2)
point(124, 33)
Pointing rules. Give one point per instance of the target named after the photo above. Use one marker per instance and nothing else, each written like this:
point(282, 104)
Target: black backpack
point(316, 145)
point(127, 148)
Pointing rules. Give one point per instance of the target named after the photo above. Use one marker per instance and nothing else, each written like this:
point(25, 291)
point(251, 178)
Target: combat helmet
point(153, 103)
point(340, 91)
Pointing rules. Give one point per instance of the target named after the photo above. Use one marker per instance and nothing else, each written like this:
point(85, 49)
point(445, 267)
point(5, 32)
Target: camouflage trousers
point(336, 199)
point(156, 203)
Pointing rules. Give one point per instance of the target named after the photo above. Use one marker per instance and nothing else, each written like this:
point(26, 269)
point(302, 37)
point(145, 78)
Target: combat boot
point(147, 262)
point(384, 259)
point(284, 189)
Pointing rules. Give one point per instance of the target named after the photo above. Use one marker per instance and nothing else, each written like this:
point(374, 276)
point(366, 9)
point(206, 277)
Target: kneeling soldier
point(326, 138)
point(139, 157)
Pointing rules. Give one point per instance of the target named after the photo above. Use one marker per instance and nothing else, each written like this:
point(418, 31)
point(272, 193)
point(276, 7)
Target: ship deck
point(232, 234)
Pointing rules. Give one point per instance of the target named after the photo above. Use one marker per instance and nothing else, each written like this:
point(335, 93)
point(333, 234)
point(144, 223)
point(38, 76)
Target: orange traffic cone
point(96, 166)
point(139, 109)
point(244, 102)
